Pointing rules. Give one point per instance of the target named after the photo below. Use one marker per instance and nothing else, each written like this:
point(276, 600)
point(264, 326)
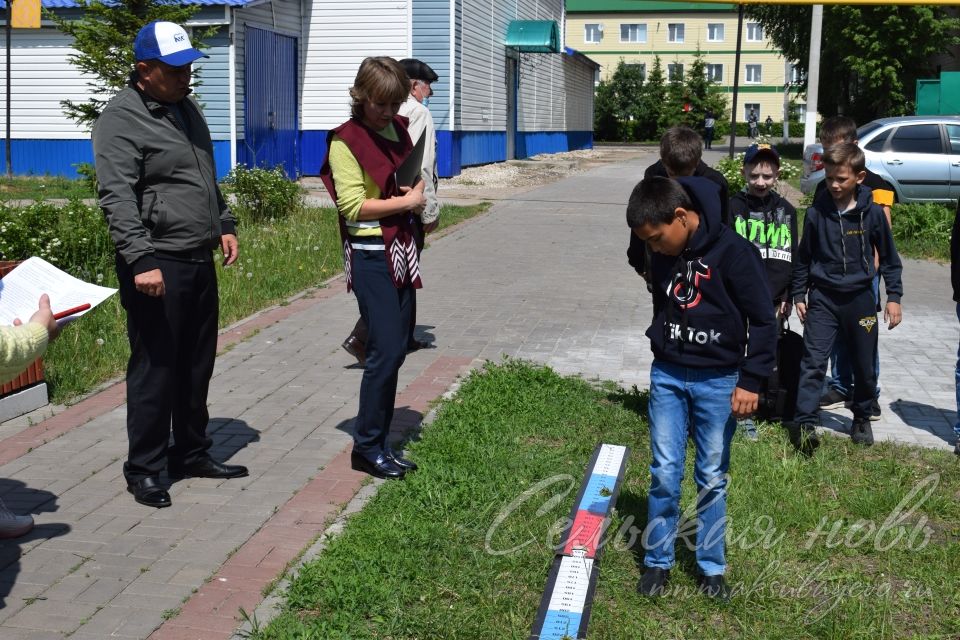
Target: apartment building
point(610, 30)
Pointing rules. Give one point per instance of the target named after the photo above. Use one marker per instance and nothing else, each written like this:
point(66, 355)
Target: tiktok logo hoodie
point(706, 298)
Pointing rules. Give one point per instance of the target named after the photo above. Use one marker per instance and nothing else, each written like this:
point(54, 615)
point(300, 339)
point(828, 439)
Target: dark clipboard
point(408, 173)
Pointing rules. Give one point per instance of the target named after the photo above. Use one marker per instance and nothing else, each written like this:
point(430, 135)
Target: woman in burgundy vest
point(380, 255)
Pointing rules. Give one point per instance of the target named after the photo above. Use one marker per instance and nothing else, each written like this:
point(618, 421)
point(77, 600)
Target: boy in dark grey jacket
point(834, 265)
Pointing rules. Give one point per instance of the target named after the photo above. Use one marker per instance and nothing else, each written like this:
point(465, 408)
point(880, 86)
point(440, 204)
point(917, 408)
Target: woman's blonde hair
point(380, 79)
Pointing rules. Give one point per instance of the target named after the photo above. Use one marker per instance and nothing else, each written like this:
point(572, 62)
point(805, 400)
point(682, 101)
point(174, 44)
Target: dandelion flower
point(249, 275)
point(99, 342)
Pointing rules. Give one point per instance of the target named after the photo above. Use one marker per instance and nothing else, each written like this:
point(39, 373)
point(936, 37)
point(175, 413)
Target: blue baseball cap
point(166, 42)
point(757, 151)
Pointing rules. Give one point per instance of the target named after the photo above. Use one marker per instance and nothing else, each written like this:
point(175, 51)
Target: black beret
point(417, 70)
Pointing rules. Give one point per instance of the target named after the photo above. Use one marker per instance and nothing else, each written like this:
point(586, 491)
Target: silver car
point(918, 155)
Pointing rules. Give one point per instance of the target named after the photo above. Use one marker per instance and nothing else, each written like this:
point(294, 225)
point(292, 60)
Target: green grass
point(422, 560)
point(276, 261)
point(923, 230)
point(43, 188)
point(454, 214)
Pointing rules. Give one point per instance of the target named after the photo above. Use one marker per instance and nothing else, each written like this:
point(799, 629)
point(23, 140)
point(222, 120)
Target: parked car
point(918, 155)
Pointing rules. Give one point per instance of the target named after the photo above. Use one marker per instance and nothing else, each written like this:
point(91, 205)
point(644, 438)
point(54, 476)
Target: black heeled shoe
point(382, 467)
point(399, 460)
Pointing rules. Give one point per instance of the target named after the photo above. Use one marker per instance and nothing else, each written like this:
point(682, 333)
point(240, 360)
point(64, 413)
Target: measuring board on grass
point(564, 611)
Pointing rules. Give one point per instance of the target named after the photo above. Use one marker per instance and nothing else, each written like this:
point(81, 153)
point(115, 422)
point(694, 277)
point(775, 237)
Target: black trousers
point(173, 344)
point(386, 312)
point(851, 318)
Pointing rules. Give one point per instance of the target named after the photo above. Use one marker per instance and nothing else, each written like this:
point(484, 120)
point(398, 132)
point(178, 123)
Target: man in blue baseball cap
point(158, 190)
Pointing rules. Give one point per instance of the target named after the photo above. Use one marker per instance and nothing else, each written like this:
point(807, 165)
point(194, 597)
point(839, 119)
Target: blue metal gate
point(270, 100)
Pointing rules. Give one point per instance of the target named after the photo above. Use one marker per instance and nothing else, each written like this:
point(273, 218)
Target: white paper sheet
point(20, 291)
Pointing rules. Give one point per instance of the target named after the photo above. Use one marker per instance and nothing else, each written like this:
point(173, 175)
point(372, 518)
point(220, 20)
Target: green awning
point(534, 36)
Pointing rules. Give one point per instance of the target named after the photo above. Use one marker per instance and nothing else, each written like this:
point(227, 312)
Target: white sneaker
point(12, 525)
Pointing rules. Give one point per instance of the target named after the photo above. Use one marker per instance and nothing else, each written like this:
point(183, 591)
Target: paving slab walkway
point(542, 276)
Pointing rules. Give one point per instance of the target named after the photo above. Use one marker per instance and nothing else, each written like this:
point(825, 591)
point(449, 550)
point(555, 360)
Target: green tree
point(606, 125)
point(653, 102)
point(701, 93)
point(619, 103)
point(104, 37)
point(871, 55)
point(672, 113)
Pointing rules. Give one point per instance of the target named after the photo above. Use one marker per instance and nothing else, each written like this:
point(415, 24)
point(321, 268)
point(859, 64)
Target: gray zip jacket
point(157, 181)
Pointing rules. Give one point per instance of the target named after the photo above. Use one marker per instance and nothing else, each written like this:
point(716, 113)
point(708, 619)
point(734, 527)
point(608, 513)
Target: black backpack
point(778, 397)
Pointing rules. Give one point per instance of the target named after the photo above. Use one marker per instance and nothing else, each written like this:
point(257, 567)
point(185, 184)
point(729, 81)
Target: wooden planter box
point(34, 372)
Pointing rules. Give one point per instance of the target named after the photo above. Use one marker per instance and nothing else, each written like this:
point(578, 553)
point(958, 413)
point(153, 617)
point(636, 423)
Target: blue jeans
point(841, 370)
point(956, 426)
point(704, 395)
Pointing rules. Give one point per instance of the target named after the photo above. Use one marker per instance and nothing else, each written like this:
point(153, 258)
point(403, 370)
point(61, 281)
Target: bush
point(263, 194)
point(73, 236)
point(923, 230)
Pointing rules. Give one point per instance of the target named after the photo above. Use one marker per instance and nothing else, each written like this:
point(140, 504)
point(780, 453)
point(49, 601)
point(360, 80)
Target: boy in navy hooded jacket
point(834, 264)
point(709, 288)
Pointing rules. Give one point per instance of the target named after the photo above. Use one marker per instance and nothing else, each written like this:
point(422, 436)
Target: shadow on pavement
point(229, 437)
point(21, 500)
point(926, 418)
point(405, 427)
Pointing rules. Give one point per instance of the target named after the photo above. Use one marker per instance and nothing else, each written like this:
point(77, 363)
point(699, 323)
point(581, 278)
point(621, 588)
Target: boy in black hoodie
point(709, 288)
point(835, 265)
point(768, 221)
point(681, 150)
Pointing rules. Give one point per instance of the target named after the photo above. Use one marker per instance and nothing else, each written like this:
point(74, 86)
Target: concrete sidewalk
point(542, 276)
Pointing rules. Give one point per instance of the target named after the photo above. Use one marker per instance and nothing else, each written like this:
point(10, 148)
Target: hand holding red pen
point(43, 316)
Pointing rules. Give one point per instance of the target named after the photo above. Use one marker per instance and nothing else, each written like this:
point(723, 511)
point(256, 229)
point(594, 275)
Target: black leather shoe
point(382, 467)
point(715, 587)
point(399, 460)
point(357, 349)
point(653, 581)
point(206, 468)
point(149, 492)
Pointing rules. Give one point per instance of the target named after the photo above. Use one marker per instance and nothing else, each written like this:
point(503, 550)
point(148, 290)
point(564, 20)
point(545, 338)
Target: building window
point(754, 32)
point(754, 74)
point(794, 75)
point(640, 67)
point(675, 32)
point(715, 72)
point(633, 33)
point(800, 112)
point(715, 32)
point(751, 106)
point(675, 72)
point(592, 33)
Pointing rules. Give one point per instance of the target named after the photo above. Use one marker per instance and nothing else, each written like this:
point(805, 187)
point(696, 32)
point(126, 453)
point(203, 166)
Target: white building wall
point(482, 105)
point(339, 35)
point(41, 77)
point(578, 78)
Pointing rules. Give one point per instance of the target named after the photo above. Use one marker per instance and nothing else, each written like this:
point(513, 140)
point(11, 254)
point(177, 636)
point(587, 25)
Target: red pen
point(70, 312)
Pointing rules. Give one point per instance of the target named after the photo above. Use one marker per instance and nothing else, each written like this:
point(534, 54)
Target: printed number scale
point(564, 611)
